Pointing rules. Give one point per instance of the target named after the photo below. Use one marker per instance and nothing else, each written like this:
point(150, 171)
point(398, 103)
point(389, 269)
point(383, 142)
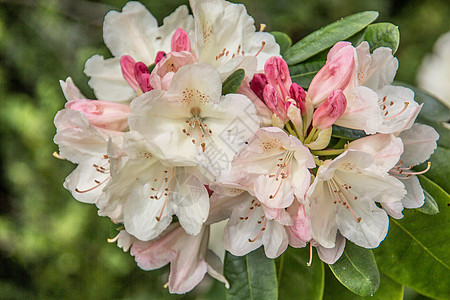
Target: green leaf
point(251, 277)
point(304, 72)
point(357, 270)
point(389, 289)
point(327, 36)
point(347, 133)
point(382, 35)
point(233, 82)
point(416, 252)
point(298, 281)
point(431, 191)
point(283, 40)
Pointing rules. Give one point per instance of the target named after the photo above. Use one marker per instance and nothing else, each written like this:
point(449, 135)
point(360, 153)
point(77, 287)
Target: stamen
point(114, 239)
point(309, 263)
point(98, 183)
point(166, 191)
point(56, 155)
point(262, 27)
point(262, 229)
point(397, 114)
point(263, 43)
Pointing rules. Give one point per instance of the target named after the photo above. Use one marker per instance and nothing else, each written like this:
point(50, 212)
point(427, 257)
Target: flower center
point(197, 128)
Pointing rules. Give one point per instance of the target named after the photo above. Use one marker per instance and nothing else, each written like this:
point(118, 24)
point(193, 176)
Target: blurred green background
point(53, 247)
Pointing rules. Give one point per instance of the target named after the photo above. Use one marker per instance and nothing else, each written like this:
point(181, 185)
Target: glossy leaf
point(389, 289)
point(431, 191)
point(357, 270)
point(298, 281)
point(327, 36)
point(347, 133)
point(283, 40)
point(382, 35)
point(416, 252)
point(252, 276)
point(233, 82)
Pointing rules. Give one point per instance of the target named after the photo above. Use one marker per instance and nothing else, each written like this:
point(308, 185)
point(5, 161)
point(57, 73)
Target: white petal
point(70, 90)
point(215, 267)
point(85, 182)
point(362, 112)
point(322, 214)
point(414, 193)
point(419, 142)
point(331, 255)
point(383, 67)
point(274, 193)
point(140, 213)
point(275, 239)
point(395, 117)
point(190, 201)
point(371, 229)
point(131, 32)
point(107, 80)
point(394, 209)
point(385, 148)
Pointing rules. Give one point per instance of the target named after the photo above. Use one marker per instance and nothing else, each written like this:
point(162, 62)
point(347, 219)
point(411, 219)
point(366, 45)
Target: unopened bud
point(142, 74)
point(180, 41)
point(331, 110)
point(159, 56)
point(277, 74)
point(127, 65)
point(298, 94)
point(274, 102)
point(258, 84)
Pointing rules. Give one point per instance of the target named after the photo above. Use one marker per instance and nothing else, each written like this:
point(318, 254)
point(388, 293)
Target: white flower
point(192, 119)
point(274, 166)
point(343, 195)
point(146, 191)
point(225, 37)
point(134, 32)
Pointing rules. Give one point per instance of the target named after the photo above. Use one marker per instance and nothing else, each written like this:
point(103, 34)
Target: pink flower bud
point(337, 73)
point(180, 41)
point(331, 110)
point(299, 95)
point(277, 74)
point(127, 65)
point(142, 74)
point(159, 56)
point(274, 102)
point(257, 84)
point(103, 114)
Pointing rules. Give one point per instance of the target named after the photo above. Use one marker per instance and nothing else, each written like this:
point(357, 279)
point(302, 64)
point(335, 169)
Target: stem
point(310, 136)
point(280, 269)
point(341, 143)
point(291, 131)
point(327, 152)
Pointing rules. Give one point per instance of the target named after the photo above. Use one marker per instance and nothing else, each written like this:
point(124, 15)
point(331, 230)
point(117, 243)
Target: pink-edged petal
point(331, 255)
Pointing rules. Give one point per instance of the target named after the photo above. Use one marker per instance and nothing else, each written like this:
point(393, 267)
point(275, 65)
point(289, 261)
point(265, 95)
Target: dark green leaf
point(382, 35)
point(416, 252)
point(357, 270)
point(389, 289)
point(347, 133)
point(327, 36)
point(283, 40)
point(251, 277)
point(304, 72)
point(298, 281)
point(233, 82)
point(431, 191)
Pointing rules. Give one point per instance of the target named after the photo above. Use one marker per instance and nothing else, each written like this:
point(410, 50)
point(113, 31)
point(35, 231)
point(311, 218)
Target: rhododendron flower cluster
point(167, 153)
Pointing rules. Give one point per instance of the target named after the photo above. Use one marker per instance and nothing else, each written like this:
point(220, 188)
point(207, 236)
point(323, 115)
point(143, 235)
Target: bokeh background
point(53, 247)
